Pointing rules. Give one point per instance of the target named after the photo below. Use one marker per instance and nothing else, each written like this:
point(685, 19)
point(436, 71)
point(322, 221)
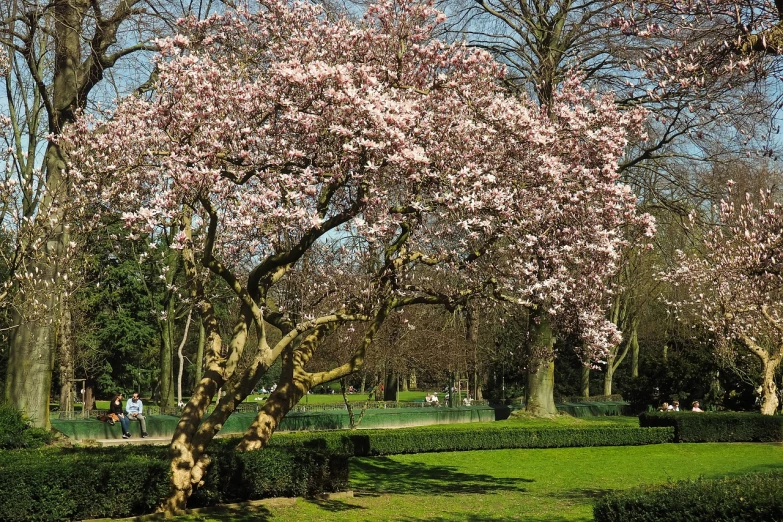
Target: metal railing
point(249, 407)
point(616, 397)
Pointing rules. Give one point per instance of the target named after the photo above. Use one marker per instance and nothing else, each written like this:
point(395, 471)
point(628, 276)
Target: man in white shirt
point(135, 408)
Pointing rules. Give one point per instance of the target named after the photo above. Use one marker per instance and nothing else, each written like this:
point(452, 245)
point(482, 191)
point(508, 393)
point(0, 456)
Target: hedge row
point(717, 427)
point(65, 484)
point(73, 484)
point(425, 440)
point(751, 498)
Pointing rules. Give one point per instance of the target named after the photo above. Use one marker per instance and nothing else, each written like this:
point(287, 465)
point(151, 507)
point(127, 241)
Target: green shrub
point(469, 437)
point(717, 427)
point(16, 432)
point(751, 498)
point(65, 484)
point(54, 484)
point(295, 467)
point(389, 442)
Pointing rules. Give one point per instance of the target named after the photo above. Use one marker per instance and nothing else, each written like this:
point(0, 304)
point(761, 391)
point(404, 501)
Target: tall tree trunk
point(89, 394)
point(585, 381)
point(32, 348)
point(769, 396)
point(202, 337)
point(166, 361)
point(66, 360)
point(541, 373)
point(390, 387)
point(181, 358)
point(471, 335)
point(608, 377)
point(29, 374)
point(613, 363)
point(541, 389)
point(634, 355)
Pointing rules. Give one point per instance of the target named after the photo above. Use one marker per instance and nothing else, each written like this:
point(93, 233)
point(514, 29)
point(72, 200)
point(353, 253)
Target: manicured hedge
point(53, 485)
point(746, 498)
point(66, 484)
point(471, 437)
point(73, 484)
point(422, 440)
point(300, 467)
point(717, 427)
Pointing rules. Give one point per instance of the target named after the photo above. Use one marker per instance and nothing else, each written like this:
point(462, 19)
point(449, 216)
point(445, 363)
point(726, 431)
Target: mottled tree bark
point(541, 372)
point(585, 381)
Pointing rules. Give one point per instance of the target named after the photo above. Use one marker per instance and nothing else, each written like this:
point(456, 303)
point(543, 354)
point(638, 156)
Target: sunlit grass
point(529, 485)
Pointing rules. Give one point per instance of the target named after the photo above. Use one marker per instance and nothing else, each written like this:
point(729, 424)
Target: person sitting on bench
point(134, 407)
point(116, 414)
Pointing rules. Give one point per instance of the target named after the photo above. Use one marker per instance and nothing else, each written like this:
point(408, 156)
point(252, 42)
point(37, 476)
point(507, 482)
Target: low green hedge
point(423, 440)
point(73, 484)
point(470, 437)
point(65, 484)
point(751, 498)
point(294, 468)
point(717, 427)
point(53, 485)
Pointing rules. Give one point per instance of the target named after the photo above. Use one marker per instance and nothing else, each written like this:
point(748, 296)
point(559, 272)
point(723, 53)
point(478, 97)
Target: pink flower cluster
point(388, 146)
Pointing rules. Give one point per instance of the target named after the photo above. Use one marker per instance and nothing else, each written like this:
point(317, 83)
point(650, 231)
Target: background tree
point(734, 285)
point(64, 57)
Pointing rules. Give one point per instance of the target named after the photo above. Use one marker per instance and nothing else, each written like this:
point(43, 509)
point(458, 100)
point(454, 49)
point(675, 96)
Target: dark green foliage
point(52, 484)
point(65, 484)
point(470, 437)
point(16, 432)
point(751, 498)
point(68, 484)
point(297, 467)
point(717, 427)
point(422, 440)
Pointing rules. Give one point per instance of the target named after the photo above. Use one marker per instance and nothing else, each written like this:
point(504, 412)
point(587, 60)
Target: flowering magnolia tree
point(370, 167)
point(735, 286)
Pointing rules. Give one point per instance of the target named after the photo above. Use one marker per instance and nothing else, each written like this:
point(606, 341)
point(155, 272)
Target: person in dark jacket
point(115, 407)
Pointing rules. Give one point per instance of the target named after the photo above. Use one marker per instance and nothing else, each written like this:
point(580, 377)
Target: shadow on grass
point(489, 518)
point(586, 494)
point(336, 506)
point(233, 513)
point(384, 475)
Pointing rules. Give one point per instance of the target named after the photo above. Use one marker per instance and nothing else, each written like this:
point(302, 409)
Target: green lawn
point(337, 398)
point(555, 485)
point(315, 398)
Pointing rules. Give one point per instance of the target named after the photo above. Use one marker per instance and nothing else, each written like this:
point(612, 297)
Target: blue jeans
point(125, 423)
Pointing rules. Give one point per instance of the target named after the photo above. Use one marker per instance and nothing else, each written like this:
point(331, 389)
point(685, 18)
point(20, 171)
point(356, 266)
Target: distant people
point(695, 407)
point(467, 401)
point(435, 398)
point(664, 406)
point(670, 407)
point(117, 414)
point(676, 406)
point(135, 408)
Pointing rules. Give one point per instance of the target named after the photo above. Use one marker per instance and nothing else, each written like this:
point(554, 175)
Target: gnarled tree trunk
point(769, 396)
